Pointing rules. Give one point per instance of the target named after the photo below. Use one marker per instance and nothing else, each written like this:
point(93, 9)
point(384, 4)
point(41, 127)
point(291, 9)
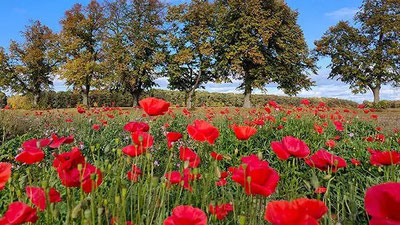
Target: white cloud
point(342, 14)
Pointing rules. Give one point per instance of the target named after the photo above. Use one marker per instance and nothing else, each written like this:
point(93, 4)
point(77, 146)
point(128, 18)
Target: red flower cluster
point(290, 146)
point(243, 132)
point(154, 106)
point(73, 171)
point(256, 176)
point(382, 203)
point(203, 131)
point(186, 215)
point(300, 212)
point(324, 161)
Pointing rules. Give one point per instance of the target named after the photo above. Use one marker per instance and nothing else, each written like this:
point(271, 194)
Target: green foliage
point(260, 42)
point(190, 58)
point(80, 47)
point(68, 99)
point(133, 46)
point(366, 56)
point(20, 102)
point(28, 68)
point(150, 200)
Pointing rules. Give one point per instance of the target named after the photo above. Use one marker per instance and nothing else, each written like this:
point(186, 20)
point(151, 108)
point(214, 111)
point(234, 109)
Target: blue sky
point(316, 16)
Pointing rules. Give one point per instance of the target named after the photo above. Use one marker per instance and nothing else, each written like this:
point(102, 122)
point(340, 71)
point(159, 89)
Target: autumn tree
point(367, 55)
point(190, 43)
point(260, 42)
point(81, 41)
point(133, 47)
point(29, 66)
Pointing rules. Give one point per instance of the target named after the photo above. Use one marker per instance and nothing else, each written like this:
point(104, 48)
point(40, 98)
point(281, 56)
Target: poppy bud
point(259, 155)
point(119, 152)
point(117, 141)
point(87, 213)
point(44, 183)
point(92, 148)
point(117, 199)
point(123, 192)
point(242, 220)
point(79, 167)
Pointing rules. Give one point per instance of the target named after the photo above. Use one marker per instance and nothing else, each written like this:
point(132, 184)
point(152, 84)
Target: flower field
point(163, 164)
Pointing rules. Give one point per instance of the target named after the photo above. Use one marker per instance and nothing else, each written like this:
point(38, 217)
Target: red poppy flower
point(142, 139)
point(186, 154)
point(221, 182)
point(331, 143)
point(133, 150)
point(305, 102)
point(318, 128)
point(73, 171)
point(134, 174)
point(217, 156)
point(19, 213)
point(5, 174)
point(320, 190)
point(221, 211)
point(174, 177)
point(382, 203)
point(203, 131)
point(173, 137)
point(36, 143)
point(30, 156)
point(338, 125)
point(355, 162)
point(256, 176)
point(68, 160)
point(324, 160)
point(95, 127)
point(89, 178)
point(38, 197)
point(290, 146)
point(58, 141)
point(386, 158)
point(186, 215)
point(300, 211)
point(136, 126)
point(80, 110)
point(183, 178)
point(154, 106)
point(243, 132)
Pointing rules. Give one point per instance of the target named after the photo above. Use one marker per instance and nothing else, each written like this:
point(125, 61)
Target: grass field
point(111, 190)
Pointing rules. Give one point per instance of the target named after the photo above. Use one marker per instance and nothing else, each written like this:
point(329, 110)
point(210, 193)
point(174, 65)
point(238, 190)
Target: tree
point(29, 67)
point(260, 42)
point(190, 42)
point(366, 56)
point(81, 41)
point(133, 47)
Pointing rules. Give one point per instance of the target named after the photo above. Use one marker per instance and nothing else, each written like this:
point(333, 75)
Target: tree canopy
point(191, 36)
point(134, 46)
point(366, 55)
point(28, 67)
point(81, 47)
point(259, 42)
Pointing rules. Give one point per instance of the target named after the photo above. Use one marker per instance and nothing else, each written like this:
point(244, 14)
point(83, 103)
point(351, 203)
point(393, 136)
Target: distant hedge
point(69, 99)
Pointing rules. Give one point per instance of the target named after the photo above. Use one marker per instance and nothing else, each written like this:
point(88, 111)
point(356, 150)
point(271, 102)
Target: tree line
point(124, 45)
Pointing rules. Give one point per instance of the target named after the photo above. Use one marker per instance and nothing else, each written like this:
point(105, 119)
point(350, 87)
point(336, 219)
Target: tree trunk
point(36, 98)
point(247, 96)
point(85, 96)
point(376, 91)
point(189, 102)
point(135, 97)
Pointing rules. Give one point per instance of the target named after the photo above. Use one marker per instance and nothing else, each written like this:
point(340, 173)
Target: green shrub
point(69, 99)
point(20, 102)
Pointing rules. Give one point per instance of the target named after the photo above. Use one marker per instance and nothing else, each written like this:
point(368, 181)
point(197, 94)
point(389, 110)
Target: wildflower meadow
point(163, 164)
